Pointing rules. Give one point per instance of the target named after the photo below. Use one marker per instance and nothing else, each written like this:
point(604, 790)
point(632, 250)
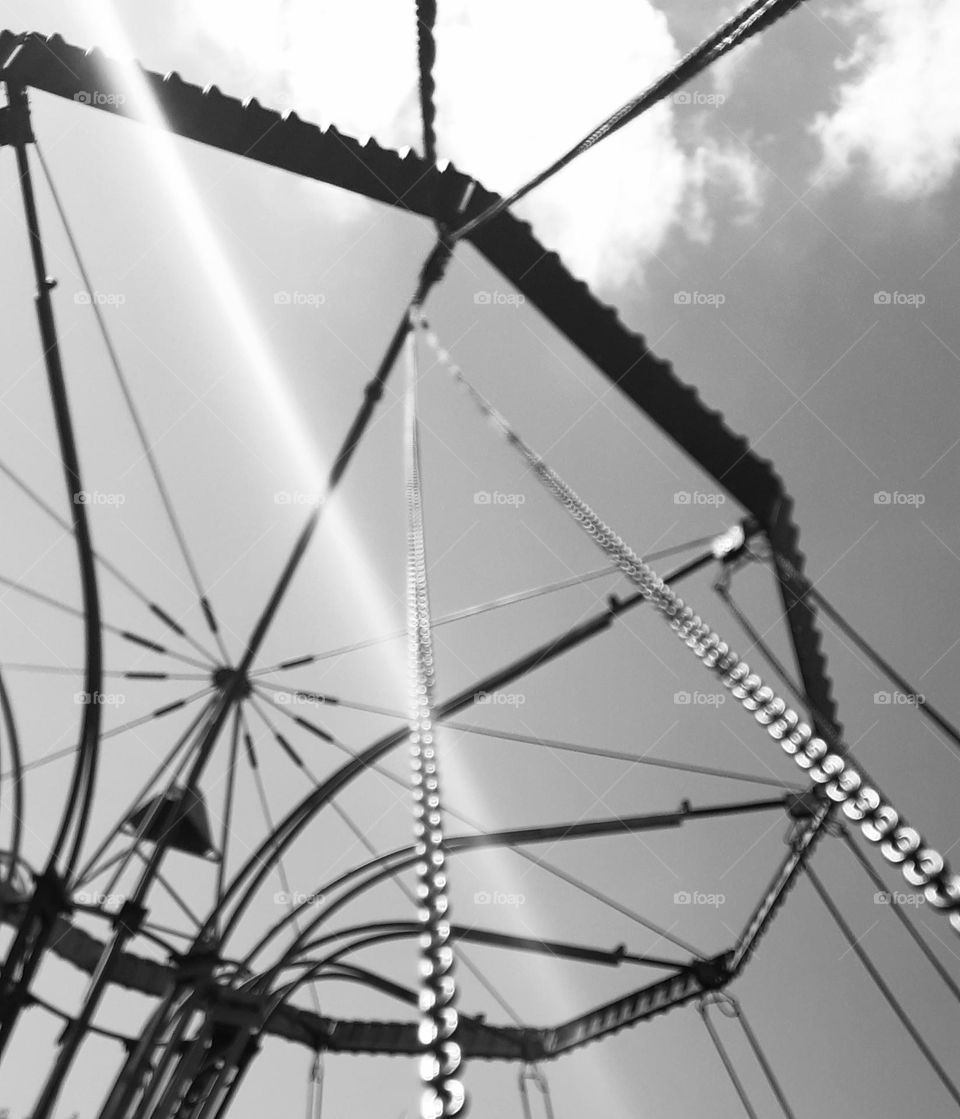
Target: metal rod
point(727, 1063)
point(882, 987)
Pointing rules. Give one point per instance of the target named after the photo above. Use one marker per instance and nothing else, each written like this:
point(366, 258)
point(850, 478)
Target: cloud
point(716, 171)
point(517, 85)
point(899, 113)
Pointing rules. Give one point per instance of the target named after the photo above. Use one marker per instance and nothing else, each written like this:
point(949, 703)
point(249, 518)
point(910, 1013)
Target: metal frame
point(408, 183)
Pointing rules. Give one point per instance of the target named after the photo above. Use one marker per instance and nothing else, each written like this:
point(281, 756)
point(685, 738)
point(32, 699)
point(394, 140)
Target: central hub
point(231, 679)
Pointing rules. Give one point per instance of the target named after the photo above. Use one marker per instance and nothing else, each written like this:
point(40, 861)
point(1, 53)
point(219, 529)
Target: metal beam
point(479, 1040)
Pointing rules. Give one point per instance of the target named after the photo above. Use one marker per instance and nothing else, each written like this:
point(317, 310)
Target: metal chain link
point(443, 1095)
point(829, 766)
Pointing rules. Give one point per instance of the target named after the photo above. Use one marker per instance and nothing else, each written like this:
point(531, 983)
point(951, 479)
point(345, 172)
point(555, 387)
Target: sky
point(785, 232)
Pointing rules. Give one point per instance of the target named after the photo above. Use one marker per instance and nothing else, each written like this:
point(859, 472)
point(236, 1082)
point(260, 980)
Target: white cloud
point(715, 171)
point(899, 114)
point(517, 85)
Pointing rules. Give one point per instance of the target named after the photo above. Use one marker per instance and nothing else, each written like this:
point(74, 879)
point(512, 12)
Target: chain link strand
point(443, 1094)
point(829, 766)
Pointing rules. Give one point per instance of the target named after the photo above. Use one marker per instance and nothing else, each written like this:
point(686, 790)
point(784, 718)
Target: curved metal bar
point(84, 776)
point(16, 759)
point(24, 955)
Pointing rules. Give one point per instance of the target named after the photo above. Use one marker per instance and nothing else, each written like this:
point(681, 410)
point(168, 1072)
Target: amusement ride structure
point(216, 987)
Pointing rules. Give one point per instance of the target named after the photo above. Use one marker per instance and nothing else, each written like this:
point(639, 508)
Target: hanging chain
point(830, 766)
point(443, 1094)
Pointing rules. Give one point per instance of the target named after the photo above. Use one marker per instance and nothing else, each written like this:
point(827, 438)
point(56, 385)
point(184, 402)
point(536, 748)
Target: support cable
point(509, 736)
point(532, 1073)
point(897, 909)
point(445, 619)
point(925, 708)
point(827, 759)
point(622, 756)
point(315, 1079)
point(724, 1000)
point(268, 818)
point(725, 1058)
point(56, 755)
point(86, 873)
point(722, 587)
point(752, 19)
point(113, 674)
point(225, 831)
point(134, 638)
point(483, 608)
point(107, 564)
point(881, 985)
point(141, 430)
